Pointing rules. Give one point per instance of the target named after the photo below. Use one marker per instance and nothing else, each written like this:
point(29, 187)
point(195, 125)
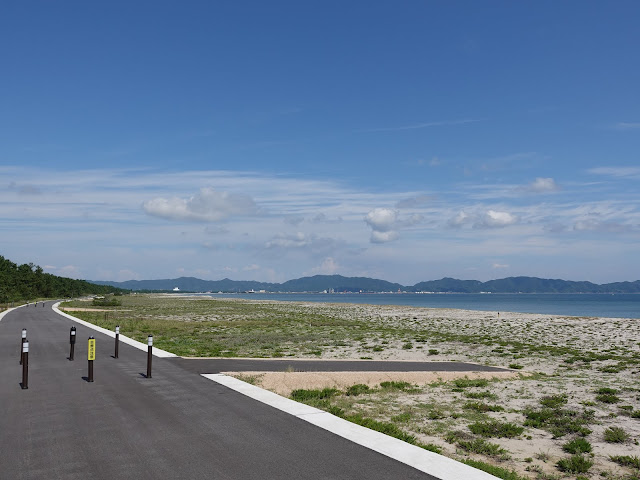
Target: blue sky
point(271, 140)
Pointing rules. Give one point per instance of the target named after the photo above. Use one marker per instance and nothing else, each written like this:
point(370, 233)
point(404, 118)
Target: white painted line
point(432, 463)
point(157, 352)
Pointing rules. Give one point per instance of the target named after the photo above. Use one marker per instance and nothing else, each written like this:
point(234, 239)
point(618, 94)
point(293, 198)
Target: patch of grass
point(615, 435)
point(358, 389)
point(430, 446)
point(481, 395)
point(559, 422)
point(482, 447)
point(499, 472)
point(399, 386)
point(433, 351)
point(302, 395)
point(553, 401)
point(626, 461)
point(466, 382)
point(607, 395)
point(250, 379)
point(494, 428)
point(482, 407)
point(401, 418)
point(516, 366)
point(574, 464)
point(407, 346)
point(576, 446)
point(382, 427)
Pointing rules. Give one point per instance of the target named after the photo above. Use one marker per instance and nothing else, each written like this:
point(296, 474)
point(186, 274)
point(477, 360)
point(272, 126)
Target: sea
point(569, 304)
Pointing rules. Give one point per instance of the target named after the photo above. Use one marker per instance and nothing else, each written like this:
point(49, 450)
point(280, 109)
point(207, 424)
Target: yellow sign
point(92, 349)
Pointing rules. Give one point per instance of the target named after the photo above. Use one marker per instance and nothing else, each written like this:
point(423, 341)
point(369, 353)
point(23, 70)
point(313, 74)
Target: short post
point(25, 365)
point(91, 356)
point(24, 339)
point(72, 342)
point(117, 340)
point(149, 355)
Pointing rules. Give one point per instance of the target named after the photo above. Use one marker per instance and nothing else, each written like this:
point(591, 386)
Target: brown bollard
point(25, 365)
point(24, 339)
point(117, 341)
point(149, 354)
point(91, 356)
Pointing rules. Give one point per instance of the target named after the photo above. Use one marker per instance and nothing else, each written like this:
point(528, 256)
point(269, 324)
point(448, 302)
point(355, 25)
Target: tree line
point(28, 282)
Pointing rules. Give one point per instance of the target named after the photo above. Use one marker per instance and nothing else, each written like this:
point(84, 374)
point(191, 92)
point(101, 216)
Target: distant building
point(176, 289)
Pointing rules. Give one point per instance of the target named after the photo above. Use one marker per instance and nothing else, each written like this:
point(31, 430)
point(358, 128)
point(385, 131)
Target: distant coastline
point(331, 284)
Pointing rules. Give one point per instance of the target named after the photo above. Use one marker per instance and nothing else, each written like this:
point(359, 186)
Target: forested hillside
point(28, 282)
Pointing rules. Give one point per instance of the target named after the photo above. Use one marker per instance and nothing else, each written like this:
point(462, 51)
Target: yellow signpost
point(91, 351)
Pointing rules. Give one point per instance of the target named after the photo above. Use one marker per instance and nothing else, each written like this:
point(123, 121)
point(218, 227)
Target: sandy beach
point(570, 358)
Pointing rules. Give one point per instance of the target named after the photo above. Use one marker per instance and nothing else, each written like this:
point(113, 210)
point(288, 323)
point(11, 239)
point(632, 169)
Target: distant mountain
point(338, 283)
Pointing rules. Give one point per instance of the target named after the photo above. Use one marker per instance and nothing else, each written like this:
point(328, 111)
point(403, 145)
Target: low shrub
point(494, 428)
point(358, 389)
point(615, 435)
point(574, 464)
point(626, 461)
point(482, 447)
point(579, 445)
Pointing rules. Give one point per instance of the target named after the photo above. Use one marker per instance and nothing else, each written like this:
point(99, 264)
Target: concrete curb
point(423, 460)
point(157, 352)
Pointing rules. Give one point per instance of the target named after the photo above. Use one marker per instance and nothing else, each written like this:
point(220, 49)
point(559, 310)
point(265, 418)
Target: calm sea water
point(580, 305)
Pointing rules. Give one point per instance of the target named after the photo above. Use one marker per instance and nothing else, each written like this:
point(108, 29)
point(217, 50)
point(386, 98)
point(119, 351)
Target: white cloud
point(495, 219)
point(282, 240)
point(329, 266)
point(381, 219)
point(541, 185)
point(382, 222)
point(499, 266)
point(459, 220)
point(384, 237)
point(208, 205)
point(251, 268)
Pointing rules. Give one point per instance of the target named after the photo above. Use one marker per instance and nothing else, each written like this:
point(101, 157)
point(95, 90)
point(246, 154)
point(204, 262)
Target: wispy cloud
point(417, 126)
point(626, 126)
point(620, 172)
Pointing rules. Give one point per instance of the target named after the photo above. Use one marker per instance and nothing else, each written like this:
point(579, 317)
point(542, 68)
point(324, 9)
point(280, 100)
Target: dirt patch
point(283, 383)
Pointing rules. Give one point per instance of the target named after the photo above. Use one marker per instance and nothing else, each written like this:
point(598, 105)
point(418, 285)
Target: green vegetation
point(558, 421)
point(627, 461)
point(29, 282)
point(482, 447)
point(467, 383)
point(576, 446)
point(494, 428)
point(574, 464)
point(615, 435)
point(607, 395)
point(494, 470)
point(358, 389)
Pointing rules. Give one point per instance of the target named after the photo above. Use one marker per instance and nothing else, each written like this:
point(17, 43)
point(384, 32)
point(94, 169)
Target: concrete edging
point(423, 460)
point(157, 352)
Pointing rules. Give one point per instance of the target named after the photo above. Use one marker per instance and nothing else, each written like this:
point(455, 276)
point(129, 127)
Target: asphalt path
point(175, 425)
